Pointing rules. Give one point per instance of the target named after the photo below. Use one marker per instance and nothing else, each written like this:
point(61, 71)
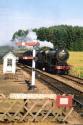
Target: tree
point(19, 33)
point(71, 36)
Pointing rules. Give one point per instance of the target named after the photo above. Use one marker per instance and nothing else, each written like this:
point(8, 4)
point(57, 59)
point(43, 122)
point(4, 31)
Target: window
point(9, 62)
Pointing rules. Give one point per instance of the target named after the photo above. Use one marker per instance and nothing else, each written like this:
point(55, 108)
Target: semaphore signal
point(31, 43)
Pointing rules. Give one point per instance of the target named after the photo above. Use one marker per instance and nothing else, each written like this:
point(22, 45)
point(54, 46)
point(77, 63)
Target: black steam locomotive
point(53, 60)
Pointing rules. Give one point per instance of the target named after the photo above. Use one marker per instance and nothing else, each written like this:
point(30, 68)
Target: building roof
point(9, 54)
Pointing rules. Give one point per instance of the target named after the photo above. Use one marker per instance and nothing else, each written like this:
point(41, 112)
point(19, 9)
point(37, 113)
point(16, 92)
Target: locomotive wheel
point(61, 72)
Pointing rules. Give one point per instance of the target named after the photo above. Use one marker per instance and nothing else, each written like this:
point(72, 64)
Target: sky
point(29, 14)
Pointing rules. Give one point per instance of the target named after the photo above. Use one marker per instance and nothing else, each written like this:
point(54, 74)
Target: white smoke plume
point(46, 44)
point(33, 36)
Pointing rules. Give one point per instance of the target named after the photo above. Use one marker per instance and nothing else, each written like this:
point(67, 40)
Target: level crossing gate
point(32, 107)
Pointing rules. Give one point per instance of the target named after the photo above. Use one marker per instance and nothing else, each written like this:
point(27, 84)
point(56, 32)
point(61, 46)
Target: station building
point(9, 63)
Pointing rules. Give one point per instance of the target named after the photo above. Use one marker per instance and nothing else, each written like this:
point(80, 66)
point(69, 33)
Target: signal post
point(32, 86)
point(31, 43)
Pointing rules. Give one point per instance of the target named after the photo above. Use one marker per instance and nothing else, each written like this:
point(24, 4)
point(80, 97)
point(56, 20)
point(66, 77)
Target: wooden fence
point(36, 107)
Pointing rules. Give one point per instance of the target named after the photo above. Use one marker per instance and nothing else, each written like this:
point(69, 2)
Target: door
point(9, 65)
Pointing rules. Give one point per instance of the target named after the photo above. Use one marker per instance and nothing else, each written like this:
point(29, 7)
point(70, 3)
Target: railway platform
point(37, 106)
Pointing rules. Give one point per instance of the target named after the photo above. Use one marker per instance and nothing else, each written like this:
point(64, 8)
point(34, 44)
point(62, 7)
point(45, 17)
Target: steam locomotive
point(52, 60)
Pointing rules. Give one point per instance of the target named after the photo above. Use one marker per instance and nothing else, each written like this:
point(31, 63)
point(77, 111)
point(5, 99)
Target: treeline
point(69, 36)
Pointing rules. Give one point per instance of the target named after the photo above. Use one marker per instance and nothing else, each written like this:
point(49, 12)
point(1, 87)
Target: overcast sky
point(27, 14)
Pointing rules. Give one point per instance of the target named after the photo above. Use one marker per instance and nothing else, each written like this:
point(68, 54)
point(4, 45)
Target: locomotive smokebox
point(62, 55)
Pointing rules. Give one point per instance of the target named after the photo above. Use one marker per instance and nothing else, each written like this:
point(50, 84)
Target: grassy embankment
point(76, 62)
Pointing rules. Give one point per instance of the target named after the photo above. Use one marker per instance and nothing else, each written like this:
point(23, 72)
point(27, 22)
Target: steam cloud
point(32, 36)
point(46, 44)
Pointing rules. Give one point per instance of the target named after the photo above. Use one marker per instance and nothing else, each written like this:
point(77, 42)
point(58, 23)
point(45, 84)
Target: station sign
point(32, 96)
point(64, 101)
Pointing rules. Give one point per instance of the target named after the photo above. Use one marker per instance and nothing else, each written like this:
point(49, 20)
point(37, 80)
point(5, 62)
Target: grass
point(76, 62)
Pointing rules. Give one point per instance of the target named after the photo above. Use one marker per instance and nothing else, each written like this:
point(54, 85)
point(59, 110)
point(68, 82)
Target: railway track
point(73, 78)
point(58, 84)
point(71, 81)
